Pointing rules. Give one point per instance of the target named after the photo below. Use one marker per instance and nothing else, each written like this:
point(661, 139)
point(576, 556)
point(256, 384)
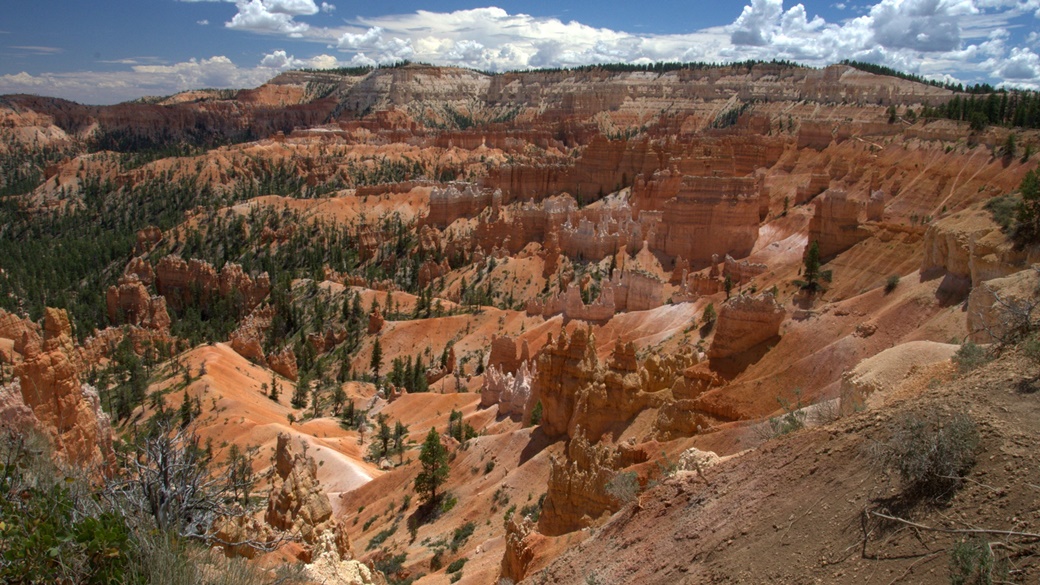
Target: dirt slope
point(743, 523)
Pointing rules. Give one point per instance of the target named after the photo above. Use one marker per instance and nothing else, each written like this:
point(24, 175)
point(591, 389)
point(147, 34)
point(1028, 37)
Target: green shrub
point(533, 511)
point(972, 563)
point(381, 537)
point(970, 356)
point(1003, 209)
point(448, 502)
point(891, 283)
point(536, 414)
point(456, 565)
point(461, 535)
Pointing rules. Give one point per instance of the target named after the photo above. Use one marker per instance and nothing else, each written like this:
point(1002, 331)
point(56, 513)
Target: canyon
point(589, 283)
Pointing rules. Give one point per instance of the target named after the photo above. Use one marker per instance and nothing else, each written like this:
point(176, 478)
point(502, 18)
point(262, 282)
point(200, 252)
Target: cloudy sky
point(107, 51)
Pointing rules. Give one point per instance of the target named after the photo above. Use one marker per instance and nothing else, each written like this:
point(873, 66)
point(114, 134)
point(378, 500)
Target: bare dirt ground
point(800, 509)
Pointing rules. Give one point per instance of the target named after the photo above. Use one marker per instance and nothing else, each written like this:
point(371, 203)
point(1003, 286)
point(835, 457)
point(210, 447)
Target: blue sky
point(107, 51)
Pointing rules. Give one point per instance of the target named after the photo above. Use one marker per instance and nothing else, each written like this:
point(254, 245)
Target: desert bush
point(456, 565)
point(931, 457)
point(624, 486)
point(381, 537)
point(461, 535)
point(970, 356)
point(1002, 208)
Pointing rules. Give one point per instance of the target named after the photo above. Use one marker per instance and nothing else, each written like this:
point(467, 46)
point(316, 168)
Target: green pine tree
point(434, 472)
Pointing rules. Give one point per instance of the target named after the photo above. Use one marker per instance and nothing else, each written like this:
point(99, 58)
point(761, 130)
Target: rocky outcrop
point(503, 354)
point(1003, 310)
point(247, 338)
point(70, 412)
point(968, 248)
point(375, 321)
point(682, 418)
point(22, 331)
point(512, 393)
point(817, 183)
point(741, 271)
point(142, 269)
point(180, 282)
point(284, 362)
point(577, 491)
point(15, 416)
point(129, 303)
point(744, 322)
point(837, 223)
point(701, 216)
point(693, 459)
point(628, 290)
point(516, 559)
point(297, 503)
point(577, 391)
point(239, 534)
point(457, 201)
point(147, 239)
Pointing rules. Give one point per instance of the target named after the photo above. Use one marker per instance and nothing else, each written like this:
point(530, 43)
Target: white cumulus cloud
point(270, 16)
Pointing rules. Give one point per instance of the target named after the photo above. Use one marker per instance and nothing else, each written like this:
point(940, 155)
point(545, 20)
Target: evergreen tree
point(339, 396)
point(299, 397)
point(1027, 216)
point(377, 359)
point(434, 460)
point(812, 275)
point(186, 412)
point(400, 431)
point(385, 435)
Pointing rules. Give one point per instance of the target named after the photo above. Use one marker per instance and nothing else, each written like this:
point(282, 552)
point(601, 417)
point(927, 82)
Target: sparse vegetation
point(812, 276)
point(970, 356)
point(972, 562)
point(931, 456)
point(624, 486)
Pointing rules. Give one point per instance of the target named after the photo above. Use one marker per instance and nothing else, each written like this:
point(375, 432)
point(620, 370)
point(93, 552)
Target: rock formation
point(21, 331)
point(516, 559)
point(744, 322)
point(968, 248)
point(1002, 310)
point(299, 505)
point(15, 416)
point(247, 338)
point(512, 393)
point(284, 362)
point(701, 216)
point(837, 221)
point(129, 303)
point(577, 391)
point(503, 354)
point(180, 281)
point(375, 321)
point(577, 492)
point(741, 271)
point(147, 239)
point(628, 290)
point(69, 412)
